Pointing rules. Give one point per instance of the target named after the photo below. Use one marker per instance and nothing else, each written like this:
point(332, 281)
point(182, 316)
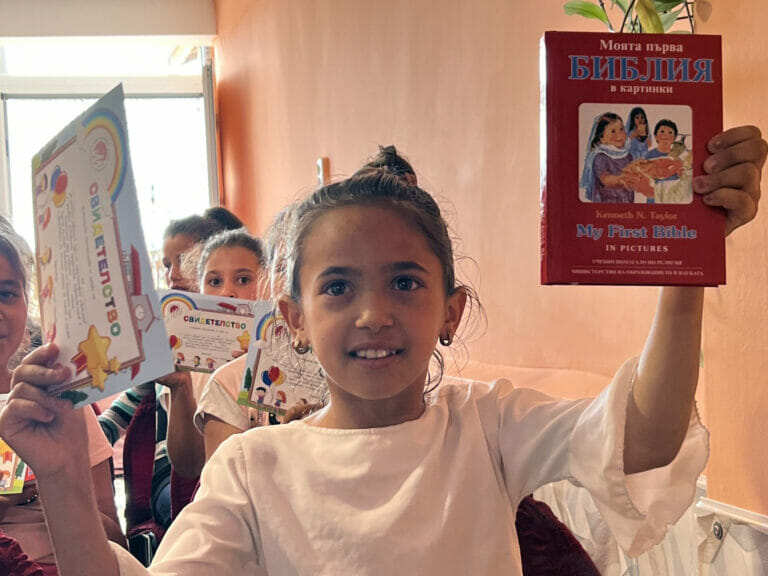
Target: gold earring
point(300, 348)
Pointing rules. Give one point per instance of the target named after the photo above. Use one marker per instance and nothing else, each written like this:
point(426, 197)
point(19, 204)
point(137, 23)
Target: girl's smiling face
point(13, 311)
point(614, 134)
point(234, 272)
point(372, 306)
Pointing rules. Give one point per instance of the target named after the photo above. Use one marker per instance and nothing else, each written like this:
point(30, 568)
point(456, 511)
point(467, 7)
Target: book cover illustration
point(13, 470)
point(97, 299)
point(205, 332)
point(625, 119)
point(276, 377)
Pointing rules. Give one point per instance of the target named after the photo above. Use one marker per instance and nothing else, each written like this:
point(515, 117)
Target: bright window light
point(79, 57)
point(168, 150)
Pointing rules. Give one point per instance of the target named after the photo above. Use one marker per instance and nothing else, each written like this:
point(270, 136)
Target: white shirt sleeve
point(216, 401)
point(127, 564)
point(541, 439)
point(219, 397)
point(638, 508)
point(217, 533)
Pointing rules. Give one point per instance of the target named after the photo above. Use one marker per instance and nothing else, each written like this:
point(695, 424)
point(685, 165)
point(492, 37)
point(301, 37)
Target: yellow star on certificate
point(98, 378)
point(94, 348)
point(244, 339)
point(114, 365)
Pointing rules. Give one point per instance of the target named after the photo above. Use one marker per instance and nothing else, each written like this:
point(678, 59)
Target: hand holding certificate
point(97, 300)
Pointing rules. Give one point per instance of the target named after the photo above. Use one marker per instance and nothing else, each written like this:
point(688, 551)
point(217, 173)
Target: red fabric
point(547, 546)
point(138, 464)
point(14, 561)
point(182, 492)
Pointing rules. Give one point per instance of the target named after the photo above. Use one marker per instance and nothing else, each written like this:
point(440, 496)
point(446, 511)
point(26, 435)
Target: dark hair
point(229, 239)
point(195, 226)
point(224, 217)
point(665, 122)
point(604, 120)
point(389, 159)
point(214, 220)
point(631, 125)
point(371, 188)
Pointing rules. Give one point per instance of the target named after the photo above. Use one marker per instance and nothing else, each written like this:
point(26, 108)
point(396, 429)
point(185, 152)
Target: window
point(170, 144)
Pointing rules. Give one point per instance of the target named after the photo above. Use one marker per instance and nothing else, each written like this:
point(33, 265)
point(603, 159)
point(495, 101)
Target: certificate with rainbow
point(205, 332)
point(275, 377)
point(97, 299)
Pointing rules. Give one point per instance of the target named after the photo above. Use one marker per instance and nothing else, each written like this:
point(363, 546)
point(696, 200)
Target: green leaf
point(668, 19)
point(621, 3)
point(649, 18)
point(668, 5)
point(586, 9)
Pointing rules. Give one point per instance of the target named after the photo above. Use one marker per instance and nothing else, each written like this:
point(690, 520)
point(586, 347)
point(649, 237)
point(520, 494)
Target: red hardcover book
point(625, 123)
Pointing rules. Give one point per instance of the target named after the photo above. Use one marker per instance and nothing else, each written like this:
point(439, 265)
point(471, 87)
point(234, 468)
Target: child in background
point(385, 476)
point(235, 267)
point(184, 234)
point(180, 237)
point(21, 515)
point(232, 264)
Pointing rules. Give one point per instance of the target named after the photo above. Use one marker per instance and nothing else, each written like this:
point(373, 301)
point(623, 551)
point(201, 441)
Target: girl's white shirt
point(218, 396)
point(437, 495)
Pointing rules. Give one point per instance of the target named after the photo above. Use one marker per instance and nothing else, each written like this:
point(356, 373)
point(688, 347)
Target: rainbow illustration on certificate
point(97, 301)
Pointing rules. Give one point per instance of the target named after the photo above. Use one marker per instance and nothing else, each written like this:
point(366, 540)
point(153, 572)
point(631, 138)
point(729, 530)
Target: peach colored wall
point(455, 86)
point(736, 329)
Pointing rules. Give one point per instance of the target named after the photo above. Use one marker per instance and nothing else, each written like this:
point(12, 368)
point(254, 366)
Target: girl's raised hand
point(44, 430)
point(733, 172)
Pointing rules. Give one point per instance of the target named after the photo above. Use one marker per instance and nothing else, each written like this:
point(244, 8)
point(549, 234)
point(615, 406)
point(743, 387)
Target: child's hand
point(733, 174)
point(639, 182)
point(44, 430)
point(300, 410)
point(27, 496)
point(176, 380)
